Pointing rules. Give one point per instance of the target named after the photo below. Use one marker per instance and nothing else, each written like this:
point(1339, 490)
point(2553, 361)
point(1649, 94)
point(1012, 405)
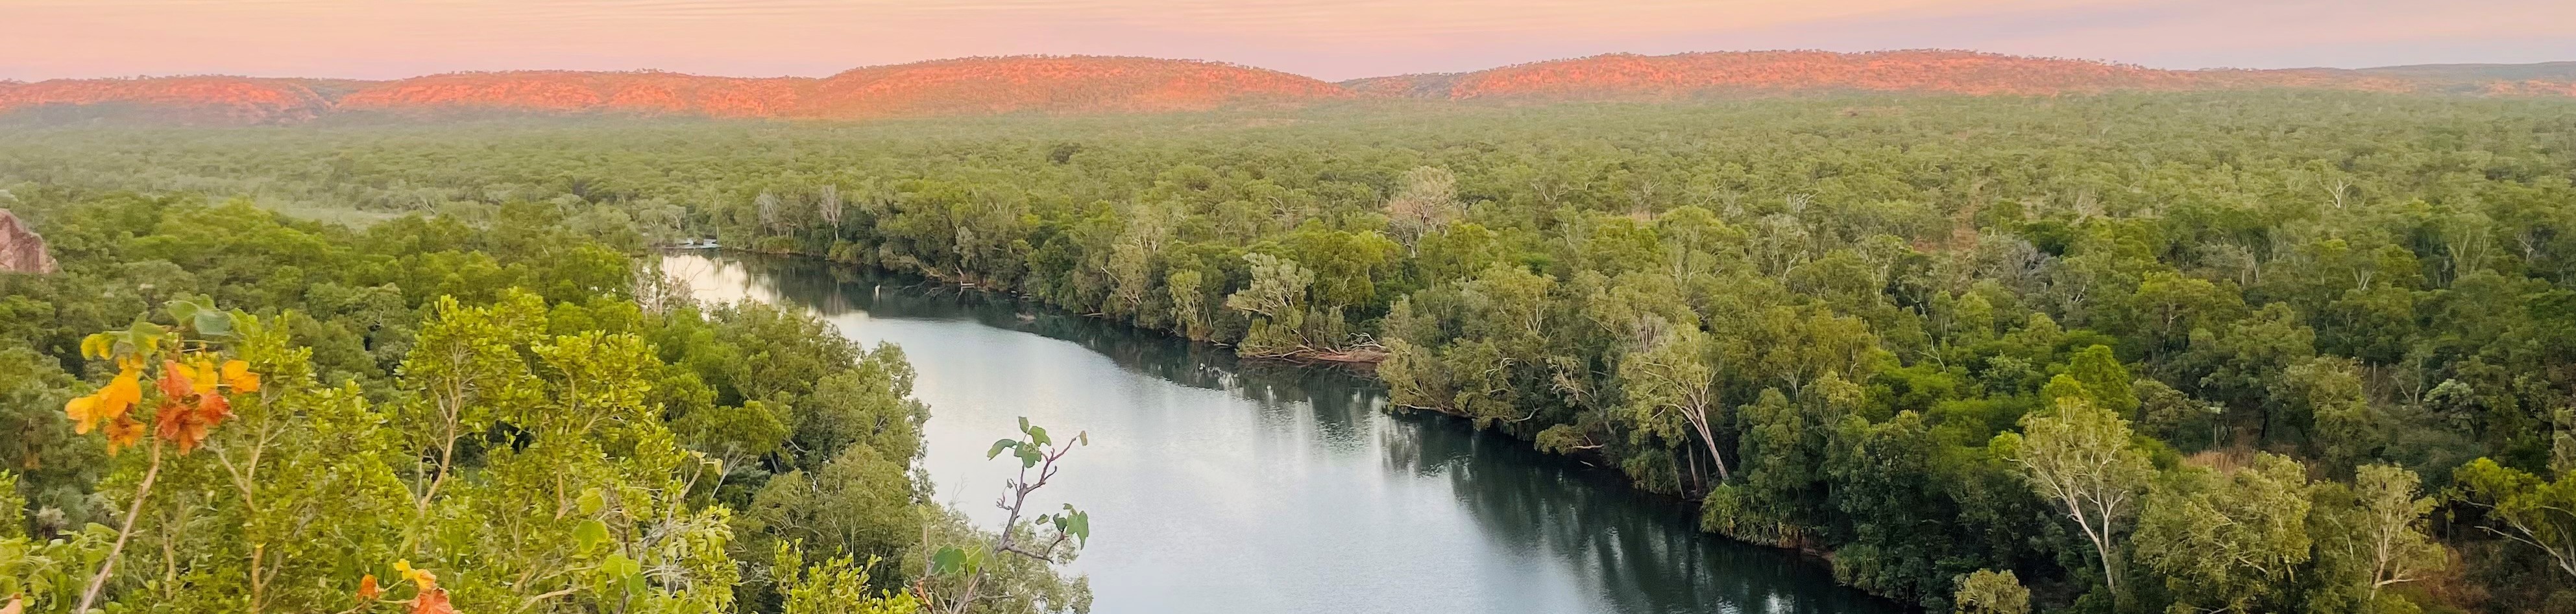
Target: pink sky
point(1329, 39)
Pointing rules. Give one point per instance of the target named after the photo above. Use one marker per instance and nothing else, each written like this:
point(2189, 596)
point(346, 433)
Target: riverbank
point(1577, 480)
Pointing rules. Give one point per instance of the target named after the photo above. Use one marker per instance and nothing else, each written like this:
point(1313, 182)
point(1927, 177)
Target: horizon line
point(2107, 62)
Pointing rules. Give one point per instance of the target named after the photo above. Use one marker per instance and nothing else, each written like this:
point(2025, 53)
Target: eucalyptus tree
point(2079, 458)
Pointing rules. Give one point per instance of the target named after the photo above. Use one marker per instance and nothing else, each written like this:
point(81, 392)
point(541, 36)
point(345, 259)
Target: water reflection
point(1227, 485)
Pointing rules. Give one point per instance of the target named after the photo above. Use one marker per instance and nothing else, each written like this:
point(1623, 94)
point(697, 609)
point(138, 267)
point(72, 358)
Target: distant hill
point(1629, 76)
point(2544, 71)
point(1076, 84)
point(209, 99)
point(576, 92)
point(970, 86)
point(2542, 79)
point(1093, 84)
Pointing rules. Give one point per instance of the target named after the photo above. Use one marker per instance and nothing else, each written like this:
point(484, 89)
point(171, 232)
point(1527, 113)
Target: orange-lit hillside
point(568, 91)
point(219, 99)
point(2532, 88)
point(1074, 84)
point(1093, 84)
point(972, 86)
point(1629, 76)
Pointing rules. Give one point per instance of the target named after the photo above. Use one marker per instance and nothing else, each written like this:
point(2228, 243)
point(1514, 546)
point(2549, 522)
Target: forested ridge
point(1078, 85)
point(2260, 351)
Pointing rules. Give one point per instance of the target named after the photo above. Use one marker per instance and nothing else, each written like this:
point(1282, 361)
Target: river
point(1218, 485)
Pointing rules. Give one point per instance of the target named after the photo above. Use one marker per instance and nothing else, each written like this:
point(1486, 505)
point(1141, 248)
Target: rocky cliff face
point(21, 250)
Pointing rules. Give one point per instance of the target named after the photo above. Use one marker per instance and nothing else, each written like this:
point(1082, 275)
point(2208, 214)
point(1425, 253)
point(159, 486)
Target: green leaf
point(214, 323)
point(618, 567)
point(1075, 523)
point(999, 446)
point(948, 561)
point(623, 573)
point(181, 311)
point(591, 501)
point(1037, 435)
point(591, 533)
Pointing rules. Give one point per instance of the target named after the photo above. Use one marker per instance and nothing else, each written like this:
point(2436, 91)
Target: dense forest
point(213, 408)
point(2264, 351)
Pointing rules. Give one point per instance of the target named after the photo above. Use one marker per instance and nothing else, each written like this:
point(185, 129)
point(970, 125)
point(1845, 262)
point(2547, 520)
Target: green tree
point(834, 586)
point(2228, 540)
point(2371, 536)
point(2078, 458)
point(2106, 383)
point(2524, 508)
point(868, 404)
point(1276, 299)
point(1991, 592)
point(1673, 379)
point(859, 505)
point(2328, 392)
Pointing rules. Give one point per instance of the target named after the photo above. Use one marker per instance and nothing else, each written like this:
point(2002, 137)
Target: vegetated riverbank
point(1600, 470)
point(1358, 351)
point(1358, 504)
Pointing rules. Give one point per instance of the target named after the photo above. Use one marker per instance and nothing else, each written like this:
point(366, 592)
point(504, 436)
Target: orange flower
point(418, 577)
point(174, 379)
point(123, 432)
point(432, 601)
point(367, 590)
point(187, 425)
point(85, 413)
point(201, 373)
point(237, 374)
point(108, 404)
point(214, 409)
point(121, 393)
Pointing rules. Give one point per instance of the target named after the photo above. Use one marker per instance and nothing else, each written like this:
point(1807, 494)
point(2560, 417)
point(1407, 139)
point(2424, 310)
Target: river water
point(1218, 485)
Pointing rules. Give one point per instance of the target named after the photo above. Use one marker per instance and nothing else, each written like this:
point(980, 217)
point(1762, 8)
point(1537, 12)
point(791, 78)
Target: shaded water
point(1218, 485)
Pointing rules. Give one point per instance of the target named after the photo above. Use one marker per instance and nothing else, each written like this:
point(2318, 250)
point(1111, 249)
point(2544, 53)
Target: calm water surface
point(1223, 486)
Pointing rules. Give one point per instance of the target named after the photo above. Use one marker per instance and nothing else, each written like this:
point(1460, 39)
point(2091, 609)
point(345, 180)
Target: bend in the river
point(1217, 485)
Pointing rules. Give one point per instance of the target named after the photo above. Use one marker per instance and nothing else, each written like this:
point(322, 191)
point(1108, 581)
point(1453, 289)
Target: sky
point(1328, 39)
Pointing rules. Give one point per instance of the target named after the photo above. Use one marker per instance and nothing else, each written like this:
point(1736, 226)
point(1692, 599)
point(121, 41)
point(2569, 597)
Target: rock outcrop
point(21, 250)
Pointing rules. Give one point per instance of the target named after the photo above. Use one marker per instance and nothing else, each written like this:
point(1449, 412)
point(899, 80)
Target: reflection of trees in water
point(1644, 552)
point(834, 290)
